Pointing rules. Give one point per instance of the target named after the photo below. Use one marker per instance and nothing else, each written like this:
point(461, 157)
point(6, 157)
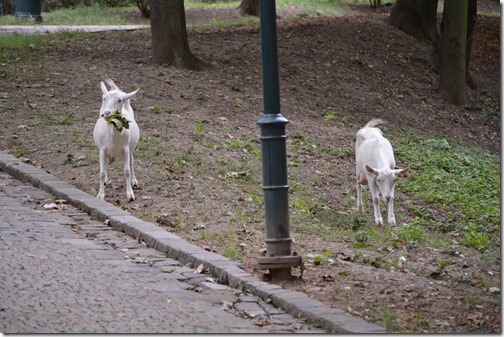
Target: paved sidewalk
point(72, 263)
point(41, 29)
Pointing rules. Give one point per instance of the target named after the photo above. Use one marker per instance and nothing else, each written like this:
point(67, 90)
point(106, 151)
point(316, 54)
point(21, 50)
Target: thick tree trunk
point(7, 7)
point(249, 7)
point(169, 35)
point(472, 14)
point(416, 18)
point(453, 51)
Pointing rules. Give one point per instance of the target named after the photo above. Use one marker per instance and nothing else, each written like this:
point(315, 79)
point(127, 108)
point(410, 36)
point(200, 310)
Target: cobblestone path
point(63, 272)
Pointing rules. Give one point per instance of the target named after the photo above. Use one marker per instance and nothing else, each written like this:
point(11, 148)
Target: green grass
point(78, 16)
point(102, 15)
point(451, 189)
point(461, 182)
point(209, 5)
point(28, 46)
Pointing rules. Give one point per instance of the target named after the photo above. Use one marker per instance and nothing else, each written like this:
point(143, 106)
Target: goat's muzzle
point(106, 114)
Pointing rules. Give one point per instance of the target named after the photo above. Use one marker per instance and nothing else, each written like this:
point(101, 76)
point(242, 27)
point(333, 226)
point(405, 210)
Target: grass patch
point(77, 16)
point(29, 46)
point(461, 182)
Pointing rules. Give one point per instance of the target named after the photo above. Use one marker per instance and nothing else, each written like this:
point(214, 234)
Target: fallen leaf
point(200, 269)
point(227, 305)
point(50, 206)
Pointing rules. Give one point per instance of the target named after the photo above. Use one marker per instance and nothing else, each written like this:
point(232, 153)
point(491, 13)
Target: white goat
point(376, 166)
point(113, 143)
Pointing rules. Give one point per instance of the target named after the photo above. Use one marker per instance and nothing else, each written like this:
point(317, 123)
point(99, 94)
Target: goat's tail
point(374, 123)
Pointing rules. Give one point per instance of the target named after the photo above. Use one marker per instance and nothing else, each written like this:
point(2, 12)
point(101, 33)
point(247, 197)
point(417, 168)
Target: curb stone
point(226, 271)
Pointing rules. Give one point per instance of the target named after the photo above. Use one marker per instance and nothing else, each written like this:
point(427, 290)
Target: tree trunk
point(416, 18)
point(249, 7)
point(169, 35)
point(453, 51)
point(472, 14)
point(471, 23)
point(7, 7)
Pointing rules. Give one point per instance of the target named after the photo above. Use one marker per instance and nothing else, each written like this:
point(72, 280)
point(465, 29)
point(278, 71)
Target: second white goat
point(375, 165)
point(112, 142)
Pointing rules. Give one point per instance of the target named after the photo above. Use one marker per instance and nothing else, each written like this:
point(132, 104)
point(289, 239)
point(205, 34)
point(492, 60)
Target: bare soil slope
point(199, 173)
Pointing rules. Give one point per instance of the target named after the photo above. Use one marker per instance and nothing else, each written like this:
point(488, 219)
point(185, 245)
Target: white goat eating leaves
point(112, 142)
point(376, 167)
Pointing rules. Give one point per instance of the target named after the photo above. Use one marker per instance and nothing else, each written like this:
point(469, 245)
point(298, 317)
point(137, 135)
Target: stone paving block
point(130, 225)
point(102, 211)
point(238, 280)
point(251, 309)
point(340, 322)
point(262, 289)
point(181, 249)
point(82, 242)
point(161, 234)
point(299, 306)
point(214, 286)
point(228, 272)
point(284, 319)
point(249, 298)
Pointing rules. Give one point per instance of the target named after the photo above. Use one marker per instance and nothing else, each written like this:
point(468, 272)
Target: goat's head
point(385, 179)
point(114, 99)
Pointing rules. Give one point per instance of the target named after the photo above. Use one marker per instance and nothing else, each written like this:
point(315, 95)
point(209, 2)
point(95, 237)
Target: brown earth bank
point(200, 170)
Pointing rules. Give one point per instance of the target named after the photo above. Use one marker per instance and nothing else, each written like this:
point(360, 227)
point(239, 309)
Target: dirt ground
point(195, 162)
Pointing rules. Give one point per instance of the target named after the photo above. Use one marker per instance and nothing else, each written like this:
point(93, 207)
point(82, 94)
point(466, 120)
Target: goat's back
point(376, 152)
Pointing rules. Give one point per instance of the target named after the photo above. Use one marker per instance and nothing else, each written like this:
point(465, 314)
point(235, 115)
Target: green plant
point(66, 119)
point(330, 115)
point(198, 129)
point(460, 182)
point(246, 145)
point(167, 107)
point(476, 239)
point(205, 234)
point(306, 208)
point(412, 235)
point(233, 252)
point(302, 144)
point(323, 257)
point(389, 320)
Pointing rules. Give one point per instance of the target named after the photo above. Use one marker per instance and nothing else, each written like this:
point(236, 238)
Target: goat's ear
point(129, 95)
point(371, 170)
point(103, 87)
point(401, 172)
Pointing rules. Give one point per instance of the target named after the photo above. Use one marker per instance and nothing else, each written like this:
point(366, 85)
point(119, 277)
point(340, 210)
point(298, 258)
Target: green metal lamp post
point(274, 159)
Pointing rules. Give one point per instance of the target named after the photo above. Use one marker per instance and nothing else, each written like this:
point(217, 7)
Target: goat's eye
point(119, 100)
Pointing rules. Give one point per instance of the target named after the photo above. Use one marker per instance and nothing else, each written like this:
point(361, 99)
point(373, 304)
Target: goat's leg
point(376, 203)
point(127, 174)
point(359, 190)
point(134, 181)
point(359, 197)
point(391, 215)
point(103, 173)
